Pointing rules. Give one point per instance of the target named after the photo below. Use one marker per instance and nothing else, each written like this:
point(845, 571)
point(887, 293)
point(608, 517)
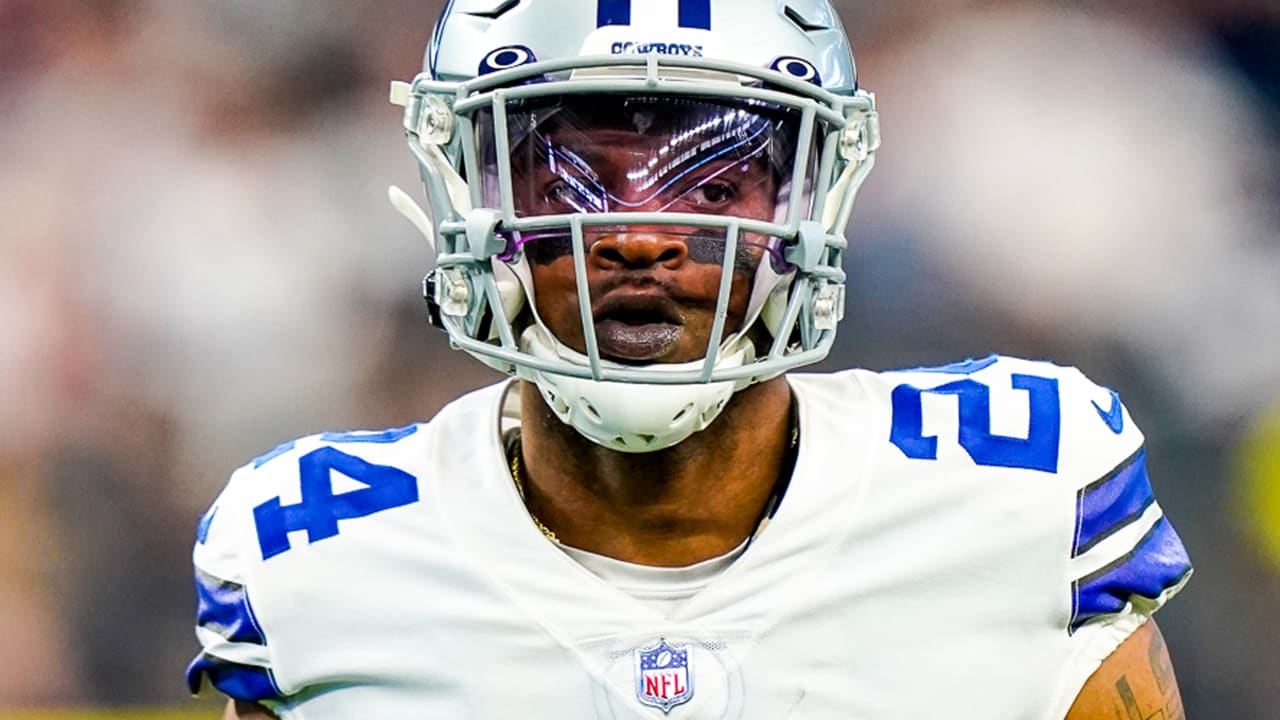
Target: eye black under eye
point(548, 248)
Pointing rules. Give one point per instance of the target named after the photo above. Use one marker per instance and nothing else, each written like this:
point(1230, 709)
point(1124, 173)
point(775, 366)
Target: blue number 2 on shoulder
point(320, 510)
point(1037, 451)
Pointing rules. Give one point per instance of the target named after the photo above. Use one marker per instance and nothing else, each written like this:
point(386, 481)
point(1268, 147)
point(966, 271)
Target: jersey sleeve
point(1125, 558)
point(235, 656)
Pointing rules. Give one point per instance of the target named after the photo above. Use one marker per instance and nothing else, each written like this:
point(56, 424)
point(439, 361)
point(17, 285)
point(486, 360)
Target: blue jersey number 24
point(1037, 451)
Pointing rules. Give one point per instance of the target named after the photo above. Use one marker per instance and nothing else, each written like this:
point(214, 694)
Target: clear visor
point(608, 154)
point(668, 172)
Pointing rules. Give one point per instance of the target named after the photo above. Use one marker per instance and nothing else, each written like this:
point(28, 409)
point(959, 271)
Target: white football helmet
point(544, 126)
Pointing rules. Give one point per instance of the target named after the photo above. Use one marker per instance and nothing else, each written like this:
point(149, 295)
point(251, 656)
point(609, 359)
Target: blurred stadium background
point(198, 262)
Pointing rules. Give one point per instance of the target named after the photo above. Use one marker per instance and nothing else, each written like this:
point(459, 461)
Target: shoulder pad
point(1015, 413)
point(1032, 415)
point(291, 488)
point(294, 487)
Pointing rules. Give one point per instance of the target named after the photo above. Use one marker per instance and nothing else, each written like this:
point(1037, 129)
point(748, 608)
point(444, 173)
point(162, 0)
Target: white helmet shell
point(758, 33)
point(487, 54)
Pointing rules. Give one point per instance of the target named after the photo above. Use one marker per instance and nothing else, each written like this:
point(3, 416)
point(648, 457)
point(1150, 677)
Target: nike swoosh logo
point(1114, 418)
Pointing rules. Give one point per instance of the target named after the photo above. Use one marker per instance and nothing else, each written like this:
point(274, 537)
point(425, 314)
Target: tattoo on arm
point(1162, 672)
point(1161, 665)
point(1131, 709)
point(1135, 682)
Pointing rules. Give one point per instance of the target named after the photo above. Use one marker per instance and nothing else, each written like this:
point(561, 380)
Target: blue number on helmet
point(691, 13)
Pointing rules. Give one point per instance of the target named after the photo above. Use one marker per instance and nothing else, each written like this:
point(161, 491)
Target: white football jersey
point(968, 541)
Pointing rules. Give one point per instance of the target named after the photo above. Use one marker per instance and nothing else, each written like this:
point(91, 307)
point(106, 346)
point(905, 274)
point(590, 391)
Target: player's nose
point(638, 248)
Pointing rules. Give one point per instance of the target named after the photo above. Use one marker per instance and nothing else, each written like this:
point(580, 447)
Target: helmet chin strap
point(631, 417)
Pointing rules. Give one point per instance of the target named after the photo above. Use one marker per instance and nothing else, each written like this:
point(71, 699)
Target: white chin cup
point(631, 417)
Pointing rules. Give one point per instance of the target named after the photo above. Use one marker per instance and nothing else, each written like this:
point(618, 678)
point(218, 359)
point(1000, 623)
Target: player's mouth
point(637, 328)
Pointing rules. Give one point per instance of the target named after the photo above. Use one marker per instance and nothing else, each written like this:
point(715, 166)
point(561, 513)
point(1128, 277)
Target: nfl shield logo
point(664, 677)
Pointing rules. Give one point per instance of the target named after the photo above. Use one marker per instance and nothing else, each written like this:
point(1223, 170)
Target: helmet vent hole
point(801, 22)
point(711, 412)
point(497, 12)
point(559, 406)
point(681, 415)
point(620, 441)
point(646, 438)
point(590, 410)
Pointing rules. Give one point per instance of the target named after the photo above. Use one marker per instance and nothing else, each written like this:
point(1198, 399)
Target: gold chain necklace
point(515, 475)
point(551, 535)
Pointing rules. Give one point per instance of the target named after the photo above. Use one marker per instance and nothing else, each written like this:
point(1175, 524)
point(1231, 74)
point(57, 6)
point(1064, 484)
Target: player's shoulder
point(314, 484)
point(1043, 442)
point(294, 485)
point(1052, 453)
point(1010, 412)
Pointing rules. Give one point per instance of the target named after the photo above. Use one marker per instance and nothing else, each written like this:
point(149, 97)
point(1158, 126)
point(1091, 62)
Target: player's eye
point(557, 192)
point(712, 194)
point(563, 195)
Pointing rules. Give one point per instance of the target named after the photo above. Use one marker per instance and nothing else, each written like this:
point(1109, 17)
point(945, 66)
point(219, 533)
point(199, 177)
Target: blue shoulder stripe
point(385, 437)
point(274, 453)
point(1157, 563)
point(1112, 502)
point(967, 366)
point(223, 607)
point(242, 682)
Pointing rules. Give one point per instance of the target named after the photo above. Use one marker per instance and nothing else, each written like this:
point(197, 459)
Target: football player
point(638, 210)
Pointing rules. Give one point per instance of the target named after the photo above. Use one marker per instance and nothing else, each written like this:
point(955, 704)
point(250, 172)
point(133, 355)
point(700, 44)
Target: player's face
point(652, 289)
